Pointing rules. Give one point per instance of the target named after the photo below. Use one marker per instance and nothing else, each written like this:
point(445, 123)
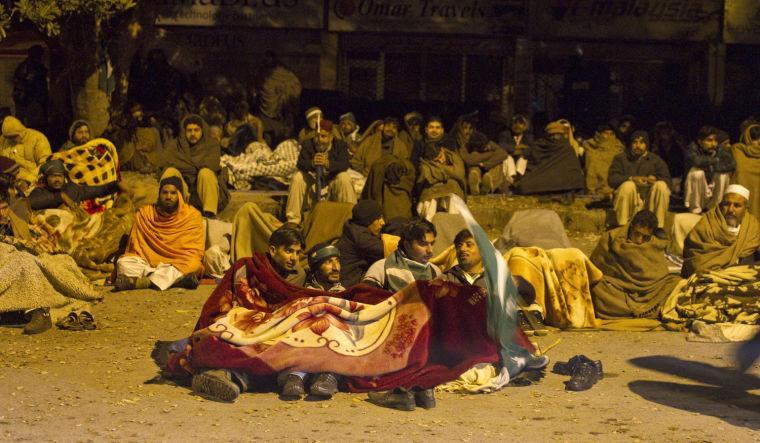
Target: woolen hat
point(8, 166)
point(640, 134)
point(171, 180)
point(555, 128)
point(348, 116)
point(52, 167)
point(738, 190)
point(365, 212)
point(320, 252)
point(325, 125)
point(312, 111)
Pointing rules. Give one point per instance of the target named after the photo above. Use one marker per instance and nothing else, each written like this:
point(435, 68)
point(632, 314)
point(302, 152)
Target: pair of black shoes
point(324, 385)
point(584, 372)
point(404, 399)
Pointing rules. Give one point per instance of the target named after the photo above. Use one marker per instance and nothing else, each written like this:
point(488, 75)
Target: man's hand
point(320, 159)
point(68, 201)
point(639, 180)
point(441, 157)
point(651, 179)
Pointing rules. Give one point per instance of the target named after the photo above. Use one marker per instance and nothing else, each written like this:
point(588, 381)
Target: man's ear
point(271, 249)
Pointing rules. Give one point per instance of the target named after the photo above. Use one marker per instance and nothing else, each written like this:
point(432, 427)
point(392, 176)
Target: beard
point(732, 221)
point(167, 207)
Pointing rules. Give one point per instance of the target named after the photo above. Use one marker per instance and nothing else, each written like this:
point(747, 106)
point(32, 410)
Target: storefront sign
point(742, 21)
point(248, 13)
point(487, 17)
point(695, 20)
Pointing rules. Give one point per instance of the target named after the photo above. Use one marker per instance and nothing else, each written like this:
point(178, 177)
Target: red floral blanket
point(424, 335)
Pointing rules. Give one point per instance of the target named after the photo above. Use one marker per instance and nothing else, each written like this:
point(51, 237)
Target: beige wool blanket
point(53, 281)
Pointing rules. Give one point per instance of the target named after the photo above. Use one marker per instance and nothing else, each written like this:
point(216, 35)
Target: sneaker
point(534, 362)
point(400, 399)
point(39, 321)
point(124, 283)
point(325, 385)
point(293, 387)
point(583, 378)
point(572, 365)
point(189, 281)
point(424, 398)
point(217, 385)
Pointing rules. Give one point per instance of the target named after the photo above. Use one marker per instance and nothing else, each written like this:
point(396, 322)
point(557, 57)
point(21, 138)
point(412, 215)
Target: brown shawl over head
point(710, 246)
point(190, 159)
point(177, 240)
point(636, 279)
point(747, 174)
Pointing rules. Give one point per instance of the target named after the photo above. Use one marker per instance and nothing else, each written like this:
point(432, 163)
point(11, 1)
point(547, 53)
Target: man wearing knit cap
point(709, 167)
point(641, 180)
point(55, 189)
point(322, 159)
point(553, 165)
point(725, 236)
point(27, 147)
point(79, 134)
point(166, 245)
point(324, 268)
point(361, 243)
point(412, 131)
point(313, 115)
point(349, 131)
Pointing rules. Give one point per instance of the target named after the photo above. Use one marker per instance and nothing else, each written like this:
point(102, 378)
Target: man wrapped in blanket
point(55, 189)
point(166, 244)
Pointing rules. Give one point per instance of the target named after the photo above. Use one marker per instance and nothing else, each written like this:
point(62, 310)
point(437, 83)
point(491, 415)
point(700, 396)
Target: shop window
point(402, 76)
point(362, 82)
point(443, 77)
point(483, 77)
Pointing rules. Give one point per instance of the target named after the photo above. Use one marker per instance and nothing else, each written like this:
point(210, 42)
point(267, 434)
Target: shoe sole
point(215, 389)
point(321, 393)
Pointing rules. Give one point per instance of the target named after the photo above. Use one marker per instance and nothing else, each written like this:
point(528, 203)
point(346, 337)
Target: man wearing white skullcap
point(725, 236)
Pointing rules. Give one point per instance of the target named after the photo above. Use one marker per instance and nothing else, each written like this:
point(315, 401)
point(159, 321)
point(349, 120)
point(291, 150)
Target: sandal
point(70, 322)
point(87, 321)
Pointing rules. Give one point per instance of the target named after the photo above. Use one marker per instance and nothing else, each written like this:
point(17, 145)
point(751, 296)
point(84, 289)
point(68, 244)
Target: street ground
point(91, 386)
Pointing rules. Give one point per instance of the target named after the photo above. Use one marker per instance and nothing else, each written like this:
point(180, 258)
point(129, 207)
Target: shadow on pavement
point(724, 399)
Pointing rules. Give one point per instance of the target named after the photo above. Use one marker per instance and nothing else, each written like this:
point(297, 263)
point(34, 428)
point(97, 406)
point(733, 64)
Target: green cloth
point(636, 281)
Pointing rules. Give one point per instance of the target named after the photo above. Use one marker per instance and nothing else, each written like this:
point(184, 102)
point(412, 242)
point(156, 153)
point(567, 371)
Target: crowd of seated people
point(408, 172)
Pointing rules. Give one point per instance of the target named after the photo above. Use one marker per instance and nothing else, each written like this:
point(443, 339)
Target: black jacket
point(720, 160)
point(625, 165)
point(42, 198)
point(338, 158)
point(358, 250)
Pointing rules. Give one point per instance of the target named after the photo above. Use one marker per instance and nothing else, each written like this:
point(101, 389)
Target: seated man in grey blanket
point(410, 262)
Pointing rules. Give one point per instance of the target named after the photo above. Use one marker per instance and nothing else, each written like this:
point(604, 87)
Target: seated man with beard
point(55, 189)
point(553, 165)
point(79, 134)
point(166, 244)
point(725, 236)
point(636, 280)
point(324, 275)
point(641, 180)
